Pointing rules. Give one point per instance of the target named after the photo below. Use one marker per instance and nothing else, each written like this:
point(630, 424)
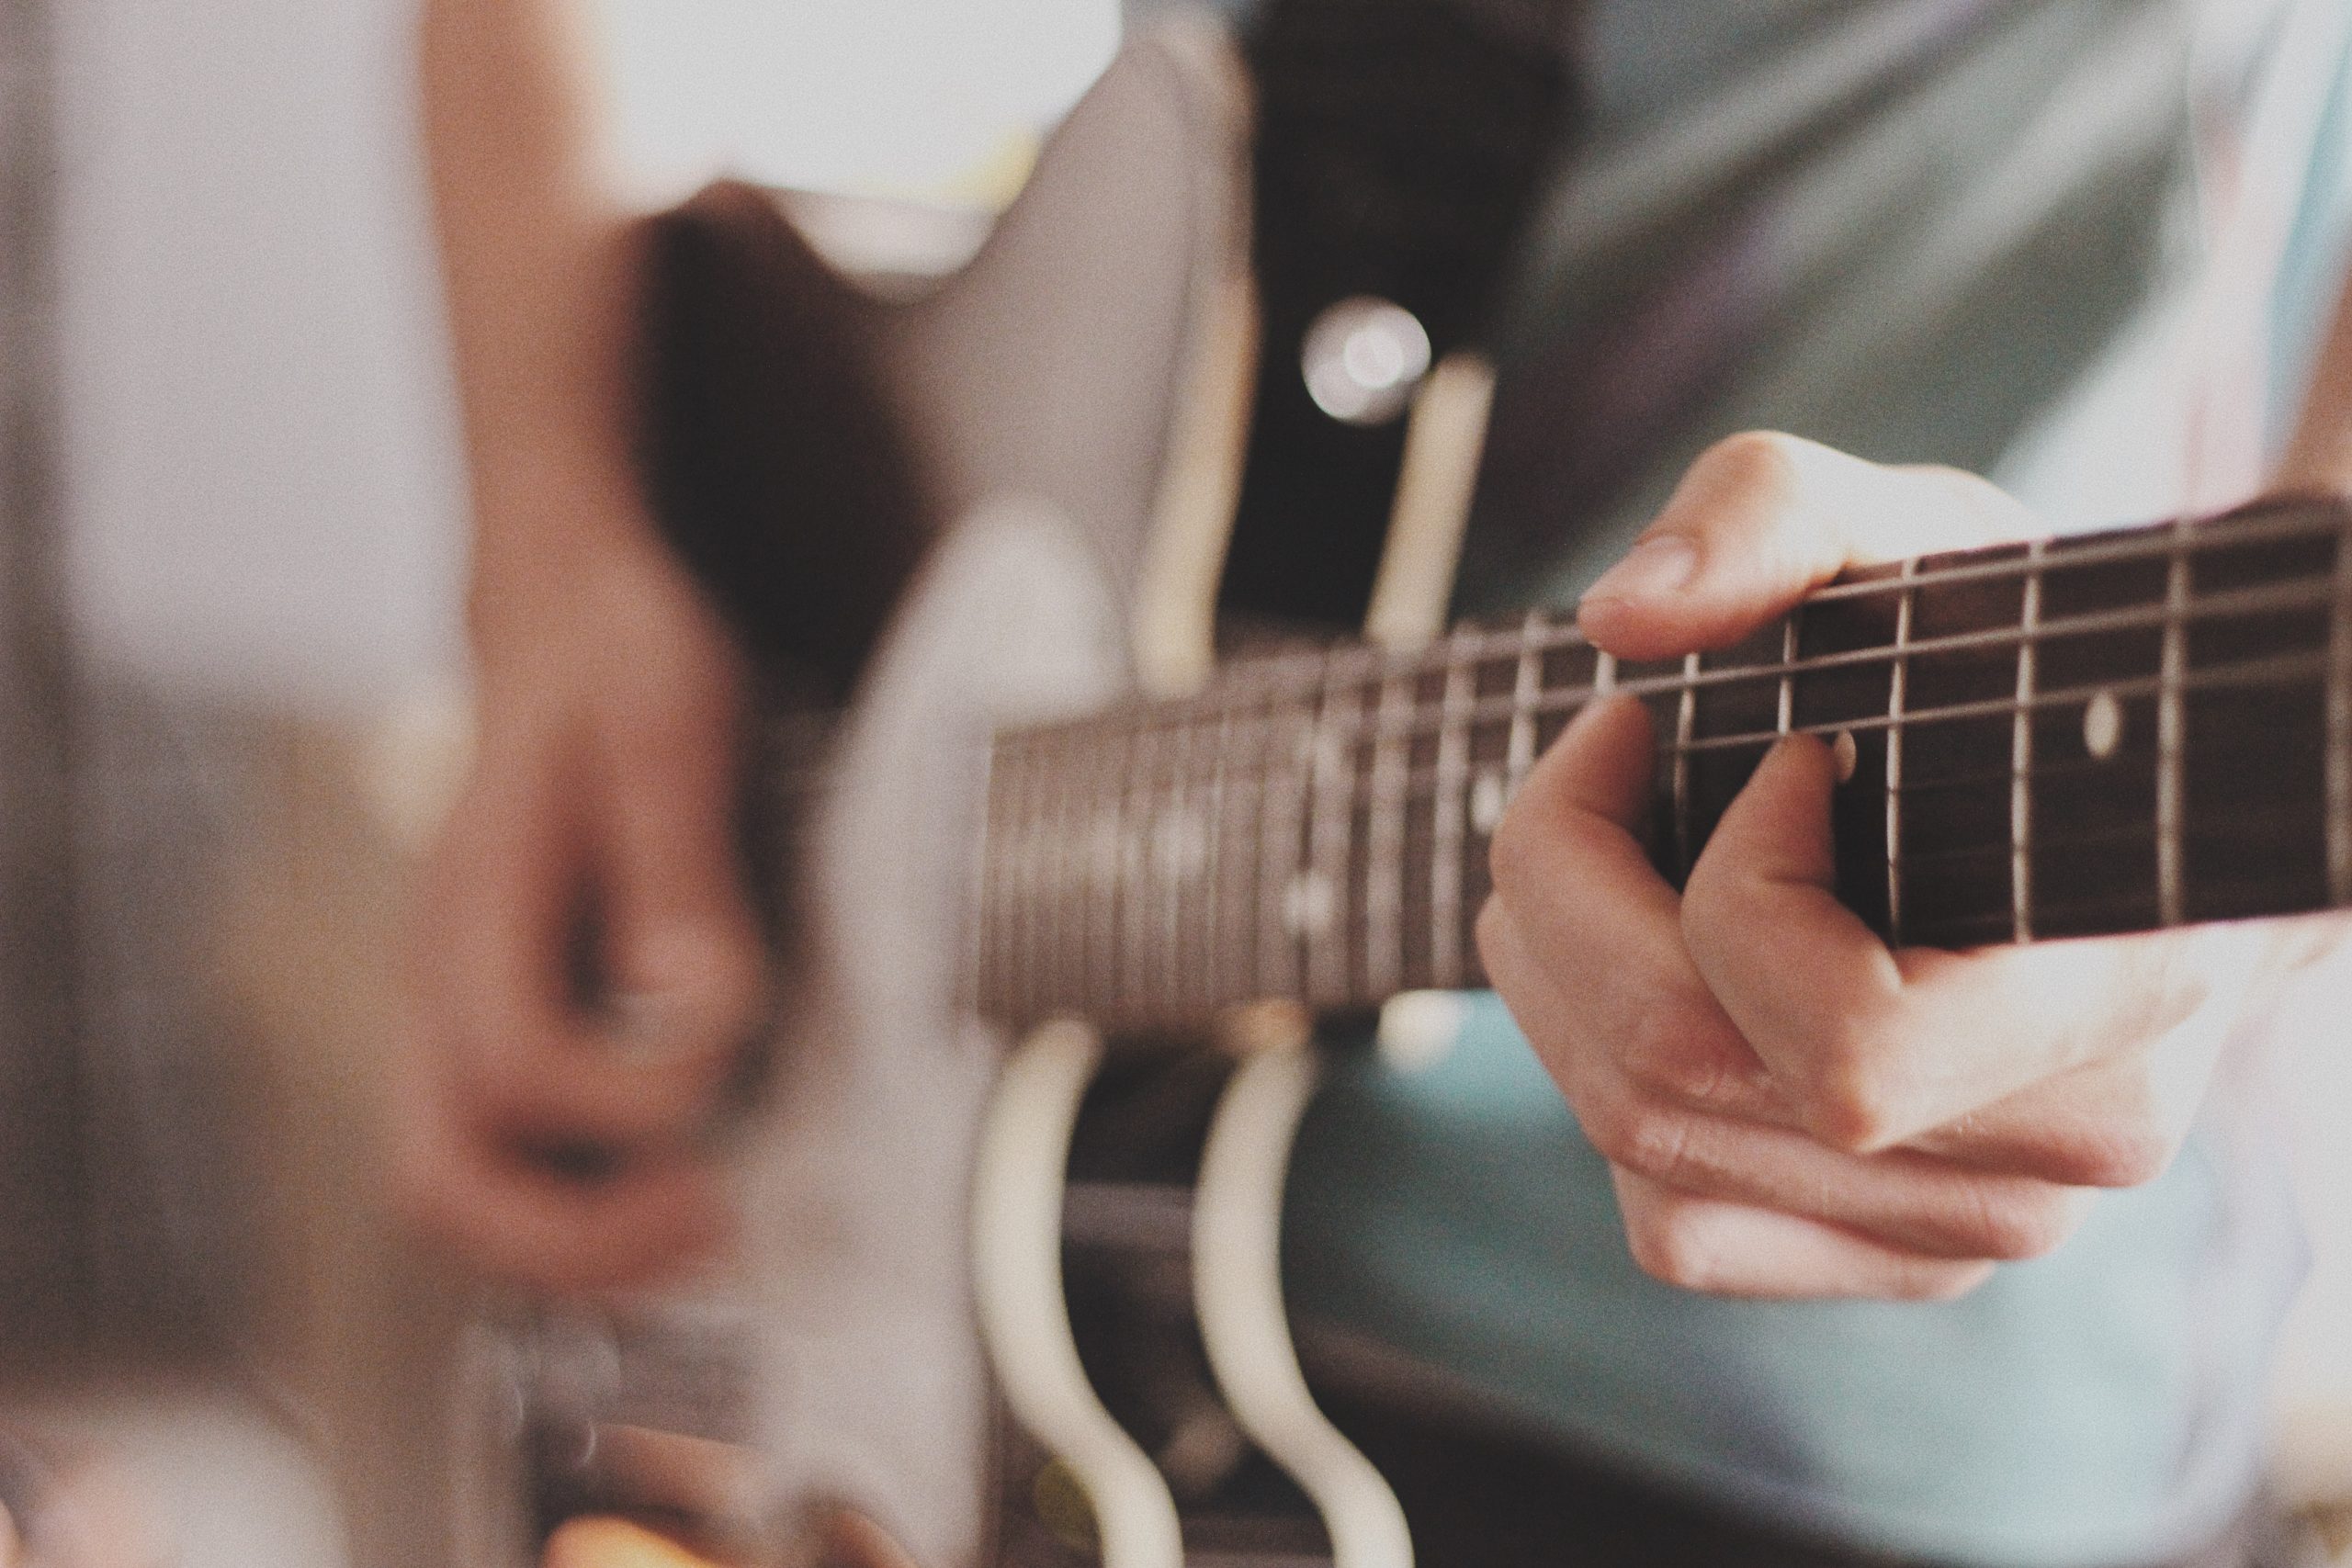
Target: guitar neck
point(2104, 733)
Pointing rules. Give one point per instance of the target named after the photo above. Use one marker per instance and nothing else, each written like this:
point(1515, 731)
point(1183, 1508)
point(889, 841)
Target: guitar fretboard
point(2103, 733)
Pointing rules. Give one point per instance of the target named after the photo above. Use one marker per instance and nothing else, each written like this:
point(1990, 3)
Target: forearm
point(2319, 455)
point(537, 272)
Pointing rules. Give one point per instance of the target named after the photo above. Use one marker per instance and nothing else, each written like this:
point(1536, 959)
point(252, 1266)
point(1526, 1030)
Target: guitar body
point(855, 1184)
point(810, 435)
point(1053, 432)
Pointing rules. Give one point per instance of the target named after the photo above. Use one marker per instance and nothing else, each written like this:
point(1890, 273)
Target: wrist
point(550, 520)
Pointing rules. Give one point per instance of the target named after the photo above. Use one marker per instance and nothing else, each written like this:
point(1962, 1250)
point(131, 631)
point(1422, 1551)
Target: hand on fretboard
point(2094, 734)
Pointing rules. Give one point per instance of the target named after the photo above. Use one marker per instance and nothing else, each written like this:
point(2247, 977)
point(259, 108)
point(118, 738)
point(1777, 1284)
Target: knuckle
point(1656, 1143)
point(2012, 1226)
point(1755, 463)
point(1850, 1108)
point(1855, 1097)
point(1681, 1049)
point(1670, 1246)
point(1644, 1138)
point(2128, 1154)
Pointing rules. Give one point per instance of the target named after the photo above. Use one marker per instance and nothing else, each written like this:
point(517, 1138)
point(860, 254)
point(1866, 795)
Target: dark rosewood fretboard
point(2102, 733)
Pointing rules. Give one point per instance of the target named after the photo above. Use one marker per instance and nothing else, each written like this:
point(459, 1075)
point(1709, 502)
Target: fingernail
point(1657, 566)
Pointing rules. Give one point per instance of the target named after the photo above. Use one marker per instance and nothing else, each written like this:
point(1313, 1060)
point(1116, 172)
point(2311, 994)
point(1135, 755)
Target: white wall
point(260, 469)
point(901, 96)
point(260, 473)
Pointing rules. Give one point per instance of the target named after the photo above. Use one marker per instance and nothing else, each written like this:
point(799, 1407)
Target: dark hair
point(1401, 145)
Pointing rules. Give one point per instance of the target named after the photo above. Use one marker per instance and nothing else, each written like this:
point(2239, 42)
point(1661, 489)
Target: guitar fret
point(1139, 908)
point(1451, 825)
point(2124, 546)
point(1000, 903)
point(1098, 842)
point(1788, 668)
point(2238, 673)
point(1526, 691)
point(1133, 871)
point(2021, 758)
point(1048, 889)
point(1686, 715)
point(1244, 976)
point(1384, 848)
point(1053, 890)
point(988, 964)
point(1176, 850)
point(1211, 975)
point(1323, 893)
point(2169, 725)
point(1180, 846)
point(2338, 741)
point(1604, 674)
point(1898, 690)
point(1283, 862)
point(1040, 894)
point(1022, 973)
point(1196, 856)
point(2213, 606)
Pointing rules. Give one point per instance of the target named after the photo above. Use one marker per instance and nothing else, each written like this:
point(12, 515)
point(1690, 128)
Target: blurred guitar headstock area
point(1126, 783)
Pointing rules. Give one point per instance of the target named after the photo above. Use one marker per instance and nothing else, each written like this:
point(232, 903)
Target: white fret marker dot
point(1841, 751)
point(2102, 726)
point(1419, 1028)
point(1309, 904)
point(1488, 799)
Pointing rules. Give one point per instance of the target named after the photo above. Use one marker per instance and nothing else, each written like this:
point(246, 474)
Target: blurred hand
point(1788, 1107)
point(553, 1136)
point(83, 1513)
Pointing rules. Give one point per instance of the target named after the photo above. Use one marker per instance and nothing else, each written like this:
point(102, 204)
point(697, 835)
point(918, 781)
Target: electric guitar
point(1012, 859)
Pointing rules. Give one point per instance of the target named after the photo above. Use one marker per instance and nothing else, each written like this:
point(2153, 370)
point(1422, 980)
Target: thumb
point(1761, 519)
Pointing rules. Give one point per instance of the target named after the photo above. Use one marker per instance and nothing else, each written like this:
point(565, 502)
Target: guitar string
point(1341, 725)
point(1330, 665)
point(2238, 831)
point(2079, 912)
point(1489, 717)
point(1976, 915)
point(1379, 669)
point(2062, 557)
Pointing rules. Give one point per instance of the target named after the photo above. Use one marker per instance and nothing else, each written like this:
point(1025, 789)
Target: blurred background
point(259, 457)
point(232, 687)
point(244, 465)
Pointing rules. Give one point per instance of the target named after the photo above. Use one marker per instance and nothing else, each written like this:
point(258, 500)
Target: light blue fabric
point(2095, 1406)
point(2311, 278)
